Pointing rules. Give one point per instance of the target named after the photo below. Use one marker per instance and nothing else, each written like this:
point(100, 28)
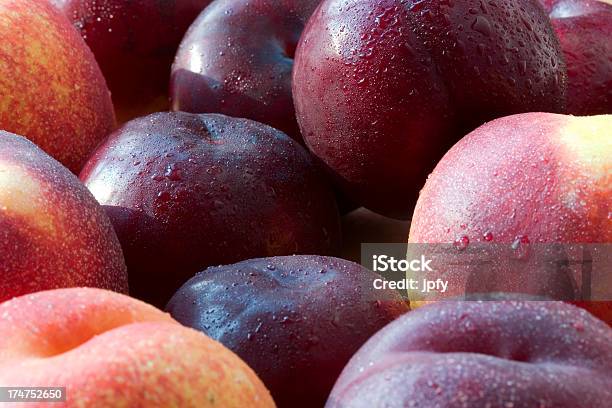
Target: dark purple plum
point(295, 320)
point(237, 59)
point(187, 191)
point(495, 353)
point(382, 88)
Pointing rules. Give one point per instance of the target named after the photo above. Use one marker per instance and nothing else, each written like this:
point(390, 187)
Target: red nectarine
point(52, 89)
point(53, 233)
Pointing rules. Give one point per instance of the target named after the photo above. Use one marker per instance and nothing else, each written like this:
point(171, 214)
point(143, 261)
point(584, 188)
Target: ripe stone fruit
point(237, 59)
point(295, 320)
point(584, 28)
point(482, 354)
point(187, 191)
point(51, 88)
point(134, 42)
point(382, 88)
point(53, 233)
point(524, 181)
point(110, 350)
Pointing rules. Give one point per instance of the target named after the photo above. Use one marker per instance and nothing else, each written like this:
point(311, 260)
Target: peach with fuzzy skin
point(529, 178)
point(53, 233)
point(52, 89)
point(111, 350)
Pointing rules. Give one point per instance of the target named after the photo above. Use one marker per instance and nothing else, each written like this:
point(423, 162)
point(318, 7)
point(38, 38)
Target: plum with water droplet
point(187, 191)
point(295, 320)
point(382, 88)
point(495, 353)
point(237, 58)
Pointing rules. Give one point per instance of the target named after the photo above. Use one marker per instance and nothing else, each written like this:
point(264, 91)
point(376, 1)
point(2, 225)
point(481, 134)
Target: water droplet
point(164, 196)
point(482, 26)
point(462, 242)
point(173, 173)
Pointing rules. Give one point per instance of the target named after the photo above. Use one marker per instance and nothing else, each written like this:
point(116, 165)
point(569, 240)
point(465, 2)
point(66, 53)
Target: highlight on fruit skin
point(52, 89)
point(53, 233)
point(108, 349)
point(237, 59)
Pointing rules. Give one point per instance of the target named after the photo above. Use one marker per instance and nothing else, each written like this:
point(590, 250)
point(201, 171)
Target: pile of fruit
point(223, 160)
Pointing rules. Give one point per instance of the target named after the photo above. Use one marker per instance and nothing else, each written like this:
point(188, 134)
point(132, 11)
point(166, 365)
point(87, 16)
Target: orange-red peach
point(53, 233)
point(108, 349)
point(52, 89)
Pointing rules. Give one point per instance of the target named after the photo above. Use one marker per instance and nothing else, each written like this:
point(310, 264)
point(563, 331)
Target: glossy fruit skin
point(111, 350)
point(382, 87)
point(53, 233)
point(134, 42)
point(51, 87)
point(237, 59)
point(584, 28)
point(187, 191)
point(477, 354)
point(295, 320)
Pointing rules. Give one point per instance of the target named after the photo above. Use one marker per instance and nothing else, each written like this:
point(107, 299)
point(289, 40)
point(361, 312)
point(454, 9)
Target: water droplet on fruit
point(488, 236)
point(482, 26)
point(173, 173)
point(164, 196)
point(520, 246)
point(462, 242)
